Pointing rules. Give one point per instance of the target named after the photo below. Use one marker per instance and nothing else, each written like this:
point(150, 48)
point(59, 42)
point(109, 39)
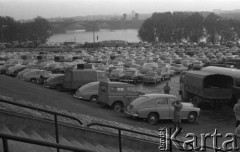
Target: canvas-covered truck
point(207, 87)
point(76, 78)
point(234, 73)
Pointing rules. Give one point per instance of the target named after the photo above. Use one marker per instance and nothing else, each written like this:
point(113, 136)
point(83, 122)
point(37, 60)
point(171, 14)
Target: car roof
point(158, 95)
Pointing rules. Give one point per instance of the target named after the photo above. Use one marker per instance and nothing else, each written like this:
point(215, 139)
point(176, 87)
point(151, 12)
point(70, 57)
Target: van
point(117, 94)
point(75, 78)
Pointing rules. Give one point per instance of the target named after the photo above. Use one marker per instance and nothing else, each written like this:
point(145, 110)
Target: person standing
point(236, 111)
point(181, 91)
point(166, 88)
point(177, 114)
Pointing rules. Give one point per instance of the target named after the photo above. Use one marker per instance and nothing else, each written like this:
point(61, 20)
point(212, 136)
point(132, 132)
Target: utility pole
point(94, 24)
point(94, 36)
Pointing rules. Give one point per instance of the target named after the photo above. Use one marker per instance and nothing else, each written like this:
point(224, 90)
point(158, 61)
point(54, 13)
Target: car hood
point(187, 104)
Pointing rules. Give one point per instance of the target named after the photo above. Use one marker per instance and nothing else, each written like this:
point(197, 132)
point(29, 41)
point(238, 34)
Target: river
point(129, 35)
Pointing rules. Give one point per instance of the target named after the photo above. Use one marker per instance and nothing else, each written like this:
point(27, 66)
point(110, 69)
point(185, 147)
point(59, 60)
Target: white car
point(88, 92)
point(179, 68)
point(158, 106)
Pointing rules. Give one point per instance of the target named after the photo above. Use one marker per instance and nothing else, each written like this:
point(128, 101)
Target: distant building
point(136, 16)
point(124, 17)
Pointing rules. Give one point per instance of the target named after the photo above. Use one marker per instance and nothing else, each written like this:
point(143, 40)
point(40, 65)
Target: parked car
point(14, 70)
point(179, 68)
point(88, 92)
point(131, 76)
point(2, 62)
point(158, 106)
point(34, 75)
point(4, 68)
point(41, 80)
point(152, 77)
point(54, 82)
point(117, 94)
point(116, 74)
point(197, 65)
point(20, 74)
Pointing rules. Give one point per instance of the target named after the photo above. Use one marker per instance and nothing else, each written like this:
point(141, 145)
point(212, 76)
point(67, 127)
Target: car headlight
point(135, 114)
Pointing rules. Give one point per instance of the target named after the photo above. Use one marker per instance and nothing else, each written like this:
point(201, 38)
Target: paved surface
point(209, 120)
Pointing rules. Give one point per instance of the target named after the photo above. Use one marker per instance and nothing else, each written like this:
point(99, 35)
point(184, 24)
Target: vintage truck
point(234, 73)
point(203, 87)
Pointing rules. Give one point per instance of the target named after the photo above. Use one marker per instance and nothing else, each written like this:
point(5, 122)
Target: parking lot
point(223, 120)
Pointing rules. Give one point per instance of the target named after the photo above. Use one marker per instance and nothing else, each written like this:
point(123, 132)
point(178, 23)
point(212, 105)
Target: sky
point(28, 9)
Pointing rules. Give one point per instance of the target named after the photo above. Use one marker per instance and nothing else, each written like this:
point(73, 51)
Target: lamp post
point(94, 24)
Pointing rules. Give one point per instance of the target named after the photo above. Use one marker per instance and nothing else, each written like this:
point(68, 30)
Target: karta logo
point(168, 141)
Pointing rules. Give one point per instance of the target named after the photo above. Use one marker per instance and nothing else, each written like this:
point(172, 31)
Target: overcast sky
point(28, 9)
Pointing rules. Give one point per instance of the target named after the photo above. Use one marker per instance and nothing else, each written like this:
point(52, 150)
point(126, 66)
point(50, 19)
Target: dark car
point(131, 76)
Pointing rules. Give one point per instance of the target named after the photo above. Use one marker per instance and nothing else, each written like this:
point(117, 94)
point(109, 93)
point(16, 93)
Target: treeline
point(176, 26)
point(37, 30)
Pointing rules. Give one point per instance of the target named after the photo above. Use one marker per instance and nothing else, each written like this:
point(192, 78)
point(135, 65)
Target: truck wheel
point(118, 107)
point(94, 99)
point(192, 117)
point(153, 118)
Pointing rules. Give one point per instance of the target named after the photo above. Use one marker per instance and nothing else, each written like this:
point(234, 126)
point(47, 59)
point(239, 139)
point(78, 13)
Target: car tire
point(152, 118)
point(94, 99)
point(118, 107)
point(192, 117)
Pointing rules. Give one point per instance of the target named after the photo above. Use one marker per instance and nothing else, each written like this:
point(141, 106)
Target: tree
point(11, 30)
point(172, 27)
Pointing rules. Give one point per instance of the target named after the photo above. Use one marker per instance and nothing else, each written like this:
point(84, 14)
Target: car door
point(162, 108)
